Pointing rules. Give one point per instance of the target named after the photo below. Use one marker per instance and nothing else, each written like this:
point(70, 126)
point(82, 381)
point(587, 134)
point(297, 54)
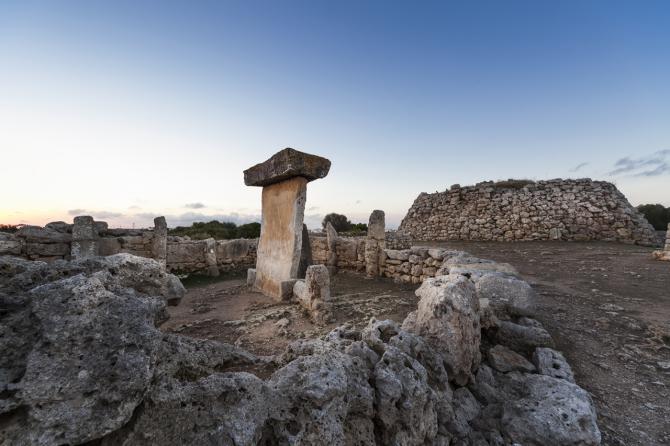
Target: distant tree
point(218, 230)
point(340, 222)
point(250, 230)
point(8, 228)
point(656, 214)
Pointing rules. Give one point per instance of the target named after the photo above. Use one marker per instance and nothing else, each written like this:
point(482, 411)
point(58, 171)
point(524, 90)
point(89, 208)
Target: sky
point(126, 110)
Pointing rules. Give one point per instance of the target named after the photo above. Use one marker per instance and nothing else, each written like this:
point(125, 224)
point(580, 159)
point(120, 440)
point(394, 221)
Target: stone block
point(287, 164)
point(280, 245)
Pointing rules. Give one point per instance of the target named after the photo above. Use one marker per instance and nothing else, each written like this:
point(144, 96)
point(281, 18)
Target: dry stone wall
point(559, 209)
point(63, 241)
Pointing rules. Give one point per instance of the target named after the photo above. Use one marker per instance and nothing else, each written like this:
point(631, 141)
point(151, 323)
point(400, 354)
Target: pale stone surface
point(84, 238)
point(287, 164)
point(313, 293)
point(279, 248)
point(251, 277)
point(552, 363)
point(447, 317)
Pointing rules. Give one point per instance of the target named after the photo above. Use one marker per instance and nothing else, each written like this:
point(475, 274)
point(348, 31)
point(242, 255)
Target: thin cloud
point(196, 205)
point(76, 211)
point(188, 218)
point(106, 214)
point(648, 166)
point(578, 167)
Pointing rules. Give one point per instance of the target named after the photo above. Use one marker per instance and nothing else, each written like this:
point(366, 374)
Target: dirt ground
point(607, 306)
point(227, 311)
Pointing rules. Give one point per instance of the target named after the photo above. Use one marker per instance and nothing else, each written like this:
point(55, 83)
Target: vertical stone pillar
point(375, 244)
point(159, 241)
point(284, 179)
point(210, 257)
point(667, 239)
point(305, 253)
point(331, 240)
point(84, 238)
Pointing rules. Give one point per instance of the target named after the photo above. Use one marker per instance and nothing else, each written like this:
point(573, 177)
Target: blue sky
point(126, 110)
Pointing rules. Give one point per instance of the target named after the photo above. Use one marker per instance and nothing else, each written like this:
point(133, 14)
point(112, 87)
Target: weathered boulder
point(551, 412)
point(507, 295)
point(503, 359)
point(447, 317)
point(524, 336)
point(285, 165)
point(552, 363)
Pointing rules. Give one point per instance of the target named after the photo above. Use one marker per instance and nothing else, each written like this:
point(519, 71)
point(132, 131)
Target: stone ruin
point(84, 362)
point(284, 179)
point(664, 254)
point(558, 209)
point(87, 238)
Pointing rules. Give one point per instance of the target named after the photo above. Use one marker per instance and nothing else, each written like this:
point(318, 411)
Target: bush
point(656, 214)
point(340, 222)
point(512, 184)
point(8, 228)
point(218, 230)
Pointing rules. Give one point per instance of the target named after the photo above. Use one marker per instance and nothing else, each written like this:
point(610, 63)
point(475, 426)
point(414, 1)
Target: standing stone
point(313, 293)
point(667, 239)
point(305, 253)
point(210, 257)
point(159, 241)
point(375, 244)
point(84, 238)
point(284, 179)
point(331, 240)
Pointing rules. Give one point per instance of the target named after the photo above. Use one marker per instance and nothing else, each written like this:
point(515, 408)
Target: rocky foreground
point(83, 361)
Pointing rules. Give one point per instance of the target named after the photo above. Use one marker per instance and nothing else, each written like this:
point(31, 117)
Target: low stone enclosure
point(526, 210)
point(87, 238)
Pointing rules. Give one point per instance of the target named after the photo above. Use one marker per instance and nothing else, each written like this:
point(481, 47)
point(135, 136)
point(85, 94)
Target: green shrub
point(340, 222)
point(218, 230)
point(656, 214)
point(512, 184)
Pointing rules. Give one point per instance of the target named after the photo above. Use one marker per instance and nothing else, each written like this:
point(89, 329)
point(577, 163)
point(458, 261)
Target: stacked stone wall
point(180, 254)
point(559, 209)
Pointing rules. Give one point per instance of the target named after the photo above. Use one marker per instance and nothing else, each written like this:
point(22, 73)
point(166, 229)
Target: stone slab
point(287, 164)
point(280, 245)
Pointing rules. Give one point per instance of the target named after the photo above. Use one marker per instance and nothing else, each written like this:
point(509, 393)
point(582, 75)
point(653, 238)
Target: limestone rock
point(552, 412)
point(447, 317)
point(505, 360)
point(552, 363)
point(524, 338)
point(285, 165)
point(313, 293)
point(507, 295)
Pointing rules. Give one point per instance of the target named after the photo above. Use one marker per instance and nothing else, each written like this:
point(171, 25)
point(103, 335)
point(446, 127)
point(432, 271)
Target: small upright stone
point(331, 240)
point(287, 164)
point(313, 293)
point(159, 241)
point(84, 238)
point(375, 244)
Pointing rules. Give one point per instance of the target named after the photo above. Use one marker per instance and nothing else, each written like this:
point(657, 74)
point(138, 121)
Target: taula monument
point(284, 179)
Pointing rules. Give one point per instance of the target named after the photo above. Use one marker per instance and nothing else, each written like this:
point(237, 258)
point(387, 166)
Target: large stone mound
point(558, 209)
point(83, 361)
